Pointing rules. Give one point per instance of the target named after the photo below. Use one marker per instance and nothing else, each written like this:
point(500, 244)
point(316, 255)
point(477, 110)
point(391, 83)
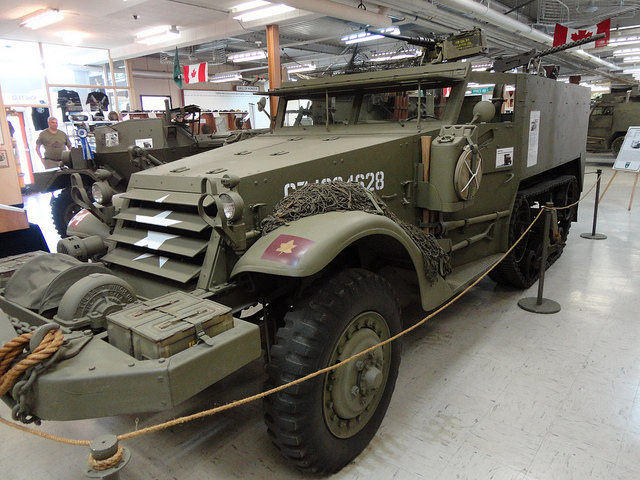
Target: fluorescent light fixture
point(307, 67)
point(42, 18)
point(158, 35)
point(367, 36)
point(247, 57)
point(226, 78)
point(626, 52)
point(263, 13)
point(396, 55)
point(615, 42)
point(243, 7)
point(481, 67)
point(631, 59)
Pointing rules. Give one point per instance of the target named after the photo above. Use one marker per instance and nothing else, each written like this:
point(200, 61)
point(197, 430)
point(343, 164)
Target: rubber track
point(508, 272)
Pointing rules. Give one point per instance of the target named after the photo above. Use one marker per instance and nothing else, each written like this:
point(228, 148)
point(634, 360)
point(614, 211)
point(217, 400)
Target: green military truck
point(175, 135)
point(610, 118)
point(373, 190)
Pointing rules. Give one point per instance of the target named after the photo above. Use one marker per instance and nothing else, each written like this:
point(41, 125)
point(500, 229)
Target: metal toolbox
point(167, 325)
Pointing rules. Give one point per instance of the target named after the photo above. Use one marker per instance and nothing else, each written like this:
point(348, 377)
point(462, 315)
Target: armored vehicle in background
point(174, 136)
point(373, 190)
point(610, 118)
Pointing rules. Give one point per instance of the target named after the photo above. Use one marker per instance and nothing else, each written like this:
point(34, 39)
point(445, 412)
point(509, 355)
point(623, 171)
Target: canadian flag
point(563, 35)
point(194, 73)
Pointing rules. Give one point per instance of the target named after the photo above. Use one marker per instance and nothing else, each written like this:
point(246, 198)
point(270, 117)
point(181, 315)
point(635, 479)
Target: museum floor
point(485, 390)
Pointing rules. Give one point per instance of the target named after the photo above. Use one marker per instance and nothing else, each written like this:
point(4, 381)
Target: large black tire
point(323, 424)
point(63, 208)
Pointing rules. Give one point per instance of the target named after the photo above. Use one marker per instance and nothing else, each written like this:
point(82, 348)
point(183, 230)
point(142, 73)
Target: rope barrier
point(185, 419)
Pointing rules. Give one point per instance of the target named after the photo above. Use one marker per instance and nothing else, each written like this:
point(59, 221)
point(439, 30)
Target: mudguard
point(306, 246)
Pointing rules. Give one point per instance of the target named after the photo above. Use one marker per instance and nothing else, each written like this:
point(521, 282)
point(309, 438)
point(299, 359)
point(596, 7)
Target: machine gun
point(465, 44)
point(532, 58)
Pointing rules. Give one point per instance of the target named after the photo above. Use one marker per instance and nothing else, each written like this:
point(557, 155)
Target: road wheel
point(512, 270)
point(63, 208)
point(616, 145)
point(324, 423)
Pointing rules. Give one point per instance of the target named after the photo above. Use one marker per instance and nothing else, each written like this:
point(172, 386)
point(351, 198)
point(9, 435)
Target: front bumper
point(103, 381)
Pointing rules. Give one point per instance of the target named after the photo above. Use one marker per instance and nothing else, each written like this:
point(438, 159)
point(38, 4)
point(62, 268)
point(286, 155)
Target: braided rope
point(107, 463)
point(49, 345)
point(10, 350)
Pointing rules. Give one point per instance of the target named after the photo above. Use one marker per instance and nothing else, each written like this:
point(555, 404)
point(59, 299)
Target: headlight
point(232, 205)
point(102, 193)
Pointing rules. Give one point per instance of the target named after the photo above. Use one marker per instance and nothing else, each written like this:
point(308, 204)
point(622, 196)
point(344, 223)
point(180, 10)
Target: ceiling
point(313, 31)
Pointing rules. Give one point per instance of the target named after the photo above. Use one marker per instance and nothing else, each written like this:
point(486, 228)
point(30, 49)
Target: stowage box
point(167, 325)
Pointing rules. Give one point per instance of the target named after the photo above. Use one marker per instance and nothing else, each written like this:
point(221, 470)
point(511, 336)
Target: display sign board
point(628, 159)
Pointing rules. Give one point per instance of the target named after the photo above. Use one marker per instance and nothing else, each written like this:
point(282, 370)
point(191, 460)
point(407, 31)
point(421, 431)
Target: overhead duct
point(344, 12)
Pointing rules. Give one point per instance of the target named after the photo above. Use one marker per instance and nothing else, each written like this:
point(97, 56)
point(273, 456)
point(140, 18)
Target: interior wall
point(10, 193)
point(152, 77)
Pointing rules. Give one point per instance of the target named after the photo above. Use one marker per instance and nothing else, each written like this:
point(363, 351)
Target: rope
point(49, 345)
point(107, 463)
point(237, 403)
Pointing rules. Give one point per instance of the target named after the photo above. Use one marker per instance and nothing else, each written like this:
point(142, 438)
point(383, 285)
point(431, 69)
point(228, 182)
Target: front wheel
point(616, 145)
point(63, 209)
point(324, 423)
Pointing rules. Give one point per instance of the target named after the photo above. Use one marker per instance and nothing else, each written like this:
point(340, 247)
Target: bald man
point(54, 141)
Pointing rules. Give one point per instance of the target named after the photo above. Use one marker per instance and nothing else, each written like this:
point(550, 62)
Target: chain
point(21, 327)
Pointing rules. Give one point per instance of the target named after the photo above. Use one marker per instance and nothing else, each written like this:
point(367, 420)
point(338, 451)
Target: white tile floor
point(485, 391)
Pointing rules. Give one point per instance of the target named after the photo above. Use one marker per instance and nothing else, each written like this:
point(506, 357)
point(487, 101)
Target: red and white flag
point(563, 35)
point(194, 73)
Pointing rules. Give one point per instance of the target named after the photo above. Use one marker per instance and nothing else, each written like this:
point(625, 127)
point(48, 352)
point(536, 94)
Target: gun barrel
point(566, 46)
point(418, 41)
point(506, 64)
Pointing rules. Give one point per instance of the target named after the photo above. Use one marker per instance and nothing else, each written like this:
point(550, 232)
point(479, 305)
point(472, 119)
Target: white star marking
point(154, 240)
point(159, 219)
point(162, 199)
point(161, 260)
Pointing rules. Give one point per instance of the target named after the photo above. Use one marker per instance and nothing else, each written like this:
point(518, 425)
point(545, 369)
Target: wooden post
point(635, 182)
point(275, 76)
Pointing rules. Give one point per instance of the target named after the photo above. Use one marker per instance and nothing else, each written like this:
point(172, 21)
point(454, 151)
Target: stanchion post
point(593, 235)
point(103, 448)
point(540, 304)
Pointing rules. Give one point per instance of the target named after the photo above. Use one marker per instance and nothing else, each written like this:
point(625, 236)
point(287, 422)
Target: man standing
point(54, 142)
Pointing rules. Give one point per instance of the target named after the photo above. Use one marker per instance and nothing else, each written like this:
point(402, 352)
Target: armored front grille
point(161, 233)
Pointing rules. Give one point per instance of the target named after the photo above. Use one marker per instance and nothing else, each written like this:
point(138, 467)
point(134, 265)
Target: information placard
point(628, 159)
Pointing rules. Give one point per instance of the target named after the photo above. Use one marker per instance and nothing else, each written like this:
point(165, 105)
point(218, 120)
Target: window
point(314, 110)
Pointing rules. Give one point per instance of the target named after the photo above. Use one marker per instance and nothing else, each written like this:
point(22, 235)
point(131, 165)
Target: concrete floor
point(485, 390)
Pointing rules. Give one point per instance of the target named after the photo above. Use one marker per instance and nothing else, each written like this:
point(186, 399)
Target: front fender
point(306, 246)
point(316, 241)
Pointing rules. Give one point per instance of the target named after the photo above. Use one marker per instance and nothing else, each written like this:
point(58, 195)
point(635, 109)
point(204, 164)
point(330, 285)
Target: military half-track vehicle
point(610, 118)
point(166, 139)
point(372, 190)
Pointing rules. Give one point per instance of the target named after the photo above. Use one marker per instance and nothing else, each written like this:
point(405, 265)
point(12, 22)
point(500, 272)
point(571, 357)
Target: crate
point(167, 325)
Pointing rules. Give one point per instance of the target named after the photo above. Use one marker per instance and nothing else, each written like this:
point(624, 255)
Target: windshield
point(390, 105)
point(312, 111)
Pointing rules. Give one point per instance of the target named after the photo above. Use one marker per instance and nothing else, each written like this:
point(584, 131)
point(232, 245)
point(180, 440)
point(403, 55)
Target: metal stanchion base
point(531, 305)
point(594, 236)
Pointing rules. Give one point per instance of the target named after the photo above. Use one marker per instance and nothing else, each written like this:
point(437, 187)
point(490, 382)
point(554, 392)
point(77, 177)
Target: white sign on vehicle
point(628, 158)
point(504, 157)
point(534, 135)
